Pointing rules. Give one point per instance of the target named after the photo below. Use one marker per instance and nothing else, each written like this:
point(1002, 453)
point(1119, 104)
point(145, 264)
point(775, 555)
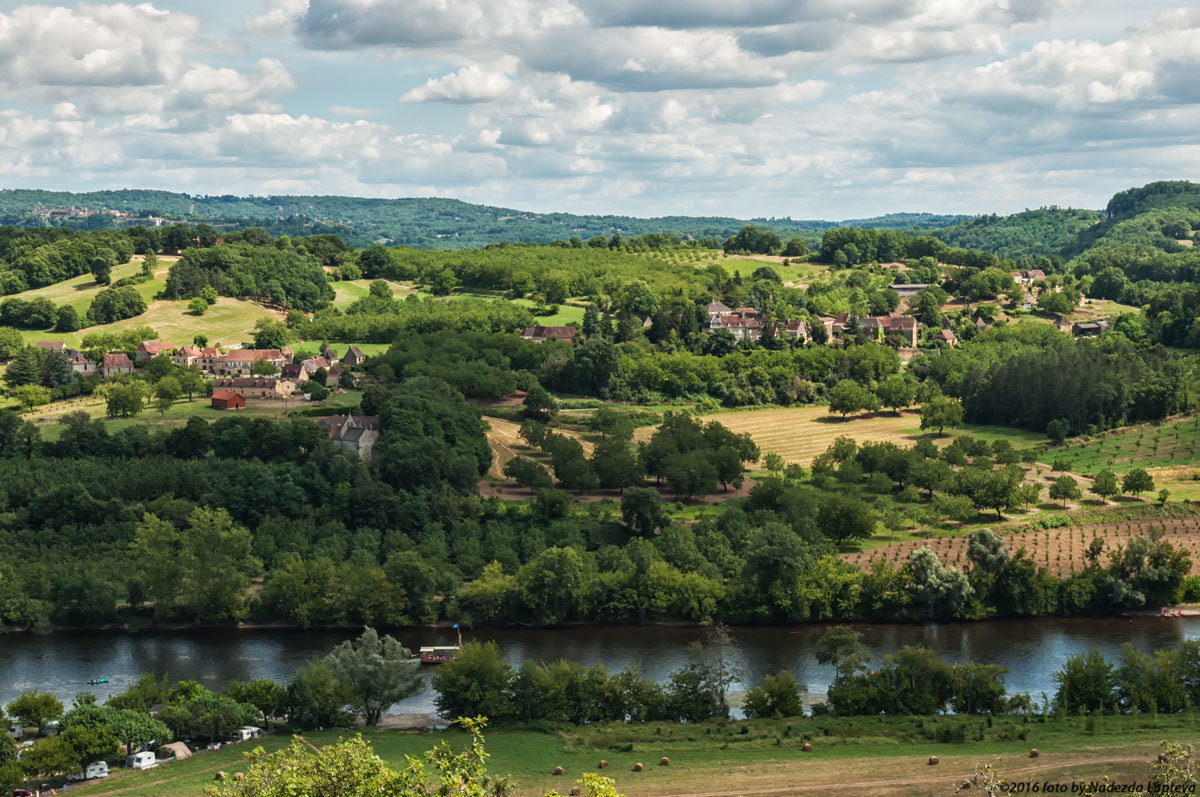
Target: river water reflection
point(1032, 650)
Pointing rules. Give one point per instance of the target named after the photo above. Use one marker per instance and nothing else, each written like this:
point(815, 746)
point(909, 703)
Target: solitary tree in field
point(1105, 485)
point(940, 412)
point(30, 396)
point(848, 396)
point(1138, 481)
point(1065, 489)
point(896, 392)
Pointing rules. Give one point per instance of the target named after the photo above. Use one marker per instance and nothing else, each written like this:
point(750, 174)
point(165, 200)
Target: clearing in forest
point(799, 434)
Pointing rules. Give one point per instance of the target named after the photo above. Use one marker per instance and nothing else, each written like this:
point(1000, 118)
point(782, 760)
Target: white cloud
point(467, 85)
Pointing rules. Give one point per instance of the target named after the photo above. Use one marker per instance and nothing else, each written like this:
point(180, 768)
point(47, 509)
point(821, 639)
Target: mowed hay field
point(505, 439)
point(1060, 550)
point(798, 434)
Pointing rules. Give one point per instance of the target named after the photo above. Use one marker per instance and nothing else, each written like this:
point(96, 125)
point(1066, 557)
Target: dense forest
point(425, 223)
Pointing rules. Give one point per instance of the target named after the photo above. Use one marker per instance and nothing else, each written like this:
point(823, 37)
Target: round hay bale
point(558, 770)
point(239, 776)
point(1034, 753)
point(807, 747)
point(604, 765)
point(638, 767)
point(664, 762)
point(933, 761)
point(220, 775)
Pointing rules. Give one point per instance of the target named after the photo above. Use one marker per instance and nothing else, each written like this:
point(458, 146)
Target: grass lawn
point(722, 758)
point(1148, 446)
point(48, 418)
point(346, 292)
point(79, 291)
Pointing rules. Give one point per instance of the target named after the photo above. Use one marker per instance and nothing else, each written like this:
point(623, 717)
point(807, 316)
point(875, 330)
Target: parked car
point(51, 728)
point(244, 734)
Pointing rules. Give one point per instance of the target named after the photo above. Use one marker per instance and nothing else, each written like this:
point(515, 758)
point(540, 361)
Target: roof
point(335, 370)
point(253, 355)
point(51, 345)
point(717, 308)
point(357, 352)
point(118, 360)
point(348, 427)
point(189, 351)
point(795, 325)
point(225, 395)
point(210, 351)
point(155, 346)
point(909, 286)
point(947, 334)
point(548, 332)
point(292, 370)
point(746, 311)
point(245, 382)
point(731, 321)
point(316, 362)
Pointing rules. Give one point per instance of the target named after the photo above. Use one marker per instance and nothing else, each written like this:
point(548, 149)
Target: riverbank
point(877, 756)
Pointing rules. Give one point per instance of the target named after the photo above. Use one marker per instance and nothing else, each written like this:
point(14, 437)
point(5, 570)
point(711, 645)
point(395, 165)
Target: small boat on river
point(439, 654)
point(95, 681)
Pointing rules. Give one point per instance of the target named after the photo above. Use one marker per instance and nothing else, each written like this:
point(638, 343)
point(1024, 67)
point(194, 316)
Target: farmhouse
point(908, 290)
point(256, 388)
point(297, 372)
point(1064, 324)
point(354, 355)
point(209, 358)
point(240, 361)
point(227, 400)
point(542, 334)
point(333, 376)
point(51, 345)
point(948, 337)
point(330, 355)
point(118, 363)
point(81, 365)
point(149, 349)
point(356, 433)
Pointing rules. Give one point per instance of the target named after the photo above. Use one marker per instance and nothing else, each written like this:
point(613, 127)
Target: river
point(1032, 650)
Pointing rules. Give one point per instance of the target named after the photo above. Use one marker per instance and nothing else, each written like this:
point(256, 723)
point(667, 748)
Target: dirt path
point(938, 780)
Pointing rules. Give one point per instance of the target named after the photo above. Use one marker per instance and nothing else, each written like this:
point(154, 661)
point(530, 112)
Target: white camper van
point(142, 760)
point(244, 734)
point(96, 769)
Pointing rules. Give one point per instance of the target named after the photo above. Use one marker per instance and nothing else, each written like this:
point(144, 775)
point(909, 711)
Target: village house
point(315, 363)
point(715, 309)
point(80, 364)
point(797, 329)
point(875, 327)
point(209, 359)
point(296, 372)
point(742, 327)
point(355, 357)
point(51, 345)
point(1064, 324)
point(333, 377)
point(116, 363)
point(227, 400)
point(537, 334)
point(356, 433)
point(240, 361)
point(330, 355)
point(879, 327)
point(948, 337)
point(251, 388)
point(149, 349)
point(188, 355)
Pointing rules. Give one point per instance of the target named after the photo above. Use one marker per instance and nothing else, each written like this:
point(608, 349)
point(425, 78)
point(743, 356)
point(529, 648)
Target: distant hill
point(1157, 215)
point(424, 223)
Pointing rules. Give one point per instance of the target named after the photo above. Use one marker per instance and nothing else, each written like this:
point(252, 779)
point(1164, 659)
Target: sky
point(827, 109)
